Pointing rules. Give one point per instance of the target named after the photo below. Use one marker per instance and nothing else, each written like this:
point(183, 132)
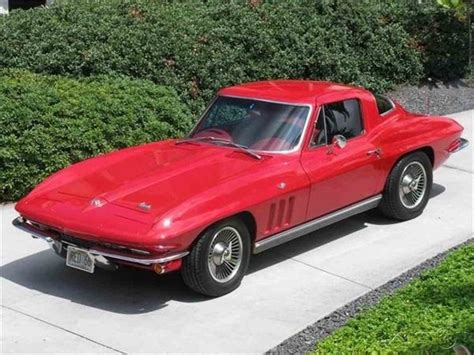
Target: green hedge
point(440, 36)
point(199, 46)
point(431, 315)
point(49, 122)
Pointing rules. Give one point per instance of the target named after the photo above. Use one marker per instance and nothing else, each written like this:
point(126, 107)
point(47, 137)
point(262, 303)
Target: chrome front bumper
point(101, 256)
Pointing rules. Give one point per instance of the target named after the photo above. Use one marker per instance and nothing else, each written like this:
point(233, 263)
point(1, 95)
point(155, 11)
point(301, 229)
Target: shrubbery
point(49, 122)
point(199, 46)
point(440, 35)
point(433, 314)
point(195, 47)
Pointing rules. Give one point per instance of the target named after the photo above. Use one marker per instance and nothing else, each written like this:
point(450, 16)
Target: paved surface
point(47, 307)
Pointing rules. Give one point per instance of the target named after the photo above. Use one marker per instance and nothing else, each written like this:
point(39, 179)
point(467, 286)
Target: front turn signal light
point(167, 267)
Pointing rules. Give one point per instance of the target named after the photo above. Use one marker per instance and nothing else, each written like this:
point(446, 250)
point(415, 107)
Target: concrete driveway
point(47, 307)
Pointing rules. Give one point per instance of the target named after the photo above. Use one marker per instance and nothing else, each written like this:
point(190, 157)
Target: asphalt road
point(47, 307)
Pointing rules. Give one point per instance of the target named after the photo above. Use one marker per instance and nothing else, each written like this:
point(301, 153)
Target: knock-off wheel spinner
point(225, 254)
point(412, 186)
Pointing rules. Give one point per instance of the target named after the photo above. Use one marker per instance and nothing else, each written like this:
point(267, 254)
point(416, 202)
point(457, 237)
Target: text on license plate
point(80, 259)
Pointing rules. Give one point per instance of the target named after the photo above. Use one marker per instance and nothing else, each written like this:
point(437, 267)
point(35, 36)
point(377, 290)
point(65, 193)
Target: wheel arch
point(428, 150)
point(250, 222)
point(245, 216)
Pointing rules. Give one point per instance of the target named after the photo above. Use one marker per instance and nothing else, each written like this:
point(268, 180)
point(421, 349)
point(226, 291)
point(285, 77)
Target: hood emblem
point(144, 206)
point(98, 202)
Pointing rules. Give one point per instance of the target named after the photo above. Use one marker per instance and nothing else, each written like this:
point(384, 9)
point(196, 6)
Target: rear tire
point(218, 261)
point(408, 187)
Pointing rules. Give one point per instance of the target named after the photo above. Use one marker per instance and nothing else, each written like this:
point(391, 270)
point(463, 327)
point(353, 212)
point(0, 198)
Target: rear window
point(384, 104)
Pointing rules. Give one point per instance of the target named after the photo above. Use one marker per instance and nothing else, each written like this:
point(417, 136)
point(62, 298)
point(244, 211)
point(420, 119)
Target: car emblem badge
point(144, 206)
point(97, 202)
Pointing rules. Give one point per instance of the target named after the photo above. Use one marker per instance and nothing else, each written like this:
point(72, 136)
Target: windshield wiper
point(195, 139)
point(241, 147)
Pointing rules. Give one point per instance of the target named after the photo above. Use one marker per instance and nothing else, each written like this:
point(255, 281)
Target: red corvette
point(267, 162)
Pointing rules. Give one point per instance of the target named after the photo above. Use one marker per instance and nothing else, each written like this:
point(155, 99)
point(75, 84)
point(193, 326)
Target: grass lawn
point(429, 315)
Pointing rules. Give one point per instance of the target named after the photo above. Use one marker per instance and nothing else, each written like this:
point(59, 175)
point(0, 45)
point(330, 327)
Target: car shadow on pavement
point(125, 291)
point(133, 291)
point(307, 243)
point(325, 235)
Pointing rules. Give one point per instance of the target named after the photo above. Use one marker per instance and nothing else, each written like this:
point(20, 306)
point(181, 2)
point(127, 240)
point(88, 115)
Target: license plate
point(80, 259)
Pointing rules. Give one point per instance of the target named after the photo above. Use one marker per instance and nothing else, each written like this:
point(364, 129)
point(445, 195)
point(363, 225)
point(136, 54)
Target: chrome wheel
point(225, 254)
point(412, 186)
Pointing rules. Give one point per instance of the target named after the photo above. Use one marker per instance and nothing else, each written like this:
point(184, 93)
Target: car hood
point(135, 185)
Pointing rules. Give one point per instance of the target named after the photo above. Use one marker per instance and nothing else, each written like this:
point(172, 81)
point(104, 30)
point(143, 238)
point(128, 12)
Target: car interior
point(257, 125)
point(342, 118)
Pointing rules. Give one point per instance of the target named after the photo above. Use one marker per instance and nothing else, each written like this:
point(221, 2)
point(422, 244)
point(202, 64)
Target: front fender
point(253, 192)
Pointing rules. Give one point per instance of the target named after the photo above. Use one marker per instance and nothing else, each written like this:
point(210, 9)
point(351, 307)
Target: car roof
point(293, 91)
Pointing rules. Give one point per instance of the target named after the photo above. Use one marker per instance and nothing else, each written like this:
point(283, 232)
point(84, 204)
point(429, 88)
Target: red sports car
point(267, 162)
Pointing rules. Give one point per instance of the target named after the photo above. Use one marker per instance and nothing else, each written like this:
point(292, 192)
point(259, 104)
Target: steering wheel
point(214, 132)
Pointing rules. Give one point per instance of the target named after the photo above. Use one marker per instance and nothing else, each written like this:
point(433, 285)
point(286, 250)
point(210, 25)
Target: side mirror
point(339, 141)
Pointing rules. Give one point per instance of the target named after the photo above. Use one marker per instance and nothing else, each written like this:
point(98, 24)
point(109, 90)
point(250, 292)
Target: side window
point(342, 117)
point(384, 105)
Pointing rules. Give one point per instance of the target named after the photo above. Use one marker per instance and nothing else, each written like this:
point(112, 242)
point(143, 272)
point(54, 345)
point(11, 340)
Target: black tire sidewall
point(210, 286)
point(398, 210)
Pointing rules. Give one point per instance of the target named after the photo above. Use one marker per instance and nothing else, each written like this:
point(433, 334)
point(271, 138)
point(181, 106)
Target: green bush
point(439, 34)
point(429, 316)
point(198, 47)
point(49, 122)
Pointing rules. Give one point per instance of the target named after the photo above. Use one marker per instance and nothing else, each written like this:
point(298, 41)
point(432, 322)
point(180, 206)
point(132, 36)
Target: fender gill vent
point(281, 215)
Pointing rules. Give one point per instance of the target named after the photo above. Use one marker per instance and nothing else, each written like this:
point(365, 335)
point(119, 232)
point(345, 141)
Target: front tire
point(408, 187)
point(218, 261)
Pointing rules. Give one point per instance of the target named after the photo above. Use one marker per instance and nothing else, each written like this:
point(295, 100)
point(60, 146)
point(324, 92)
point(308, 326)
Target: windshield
point(258, 125)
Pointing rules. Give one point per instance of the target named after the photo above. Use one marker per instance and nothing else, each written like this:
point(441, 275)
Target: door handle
point(377, 152)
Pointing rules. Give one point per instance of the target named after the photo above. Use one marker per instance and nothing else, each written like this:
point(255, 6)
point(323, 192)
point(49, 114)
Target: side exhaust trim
point(316, 224)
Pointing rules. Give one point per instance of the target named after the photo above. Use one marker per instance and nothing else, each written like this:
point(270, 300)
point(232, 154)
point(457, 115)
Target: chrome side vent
point(280, 214)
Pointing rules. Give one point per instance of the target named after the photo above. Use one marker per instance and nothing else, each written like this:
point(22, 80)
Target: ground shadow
point(127, 291)
point(436, 190)
point(130, 291)
point(311, 241)
point(436, 84)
